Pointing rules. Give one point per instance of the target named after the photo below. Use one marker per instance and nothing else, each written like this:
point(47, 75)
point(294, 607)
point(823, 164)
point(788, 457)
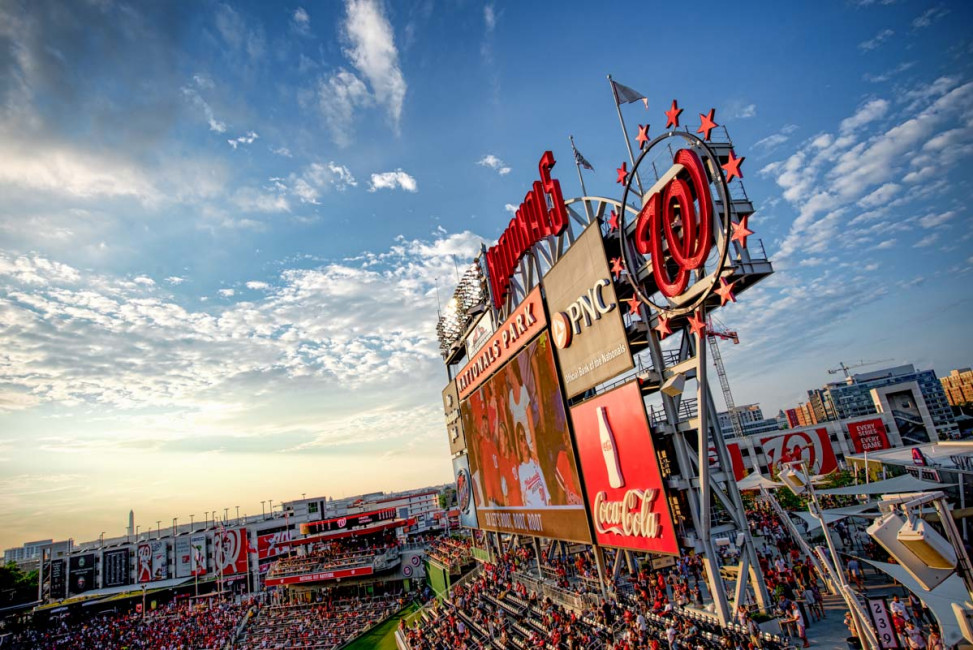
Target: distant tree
point(16, 586)
point(447, 498)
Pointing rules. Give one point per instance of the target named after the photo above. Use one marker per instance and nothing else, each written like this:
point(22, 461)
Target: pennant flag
point(581, 159)
point(626, 95)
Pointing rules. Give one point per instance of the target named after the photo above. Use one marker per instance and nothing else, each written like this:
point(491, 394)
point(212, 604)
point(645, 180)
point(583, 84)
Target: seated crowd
point(206, 626)
point(330, 556)
point(451, 552)
point(327, 623)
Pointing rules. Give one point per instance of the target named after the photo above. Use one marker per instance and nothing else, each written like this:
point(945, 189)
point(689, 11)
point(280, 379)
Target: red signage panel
point(230, 553)
point(812, 446)
point(273, 544)
point(527, 320)
point(868, 435)
point(320, 576)
point(620, 471)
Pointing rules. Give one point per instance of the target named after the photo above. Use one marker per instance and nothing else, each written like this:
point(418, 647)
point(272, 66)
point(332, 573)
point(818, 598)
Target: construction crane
point(716, 330)
point(842, 367)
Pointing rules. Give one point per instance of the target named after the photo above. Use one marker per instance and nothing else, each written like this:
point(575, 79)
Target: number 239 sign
point(883, 623)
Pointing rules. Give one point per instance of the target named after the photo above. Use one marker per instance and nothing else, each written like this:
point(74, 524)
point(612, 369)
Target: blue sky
point(223, 225)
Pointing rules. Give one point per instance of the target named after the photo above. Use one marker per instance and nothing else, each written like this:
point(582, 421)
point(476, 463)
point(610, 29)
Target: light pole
point(137, 532)
point(143, 602)
point(225, 512)
point(263, 510)
point(102, 538)
point(271, 508)
point(158, 529)
point(192, 526)
point(175, 525)
point(238, 514)
point(865, 632)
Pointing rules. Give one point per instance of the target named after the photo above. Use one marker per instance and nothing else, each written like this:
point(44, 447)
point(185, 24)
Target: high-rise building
point(958, 386)
point(915, 398)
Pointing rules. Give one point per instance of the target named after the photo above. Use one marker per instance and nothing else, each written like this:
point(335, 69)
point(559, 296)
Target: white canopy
point(940, 600)
point(837, 514)
point(755, 480)
point(904, 483)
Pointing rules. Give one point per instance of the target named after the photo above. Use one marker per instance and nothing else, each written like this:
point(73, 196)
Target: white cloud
point(933, 220)
point(318, 178)
point(929, 16)
point(144, 280)
point(249, 138)
point(494, 163)
point(489, 17)
point(227, 293)
point(775, 139)
point(926, 241)
point(251, 200)
point(339, 97)
point(197, 99)
point(256, 285)
point(869, 112)
point(511, 208)
point(393, 180)
point(374, 55)
point(175, 280)
point(301, 20)
point(282, 151)
point(876, 41)
point(880, 196)
point(744, 112)
point(886, 244)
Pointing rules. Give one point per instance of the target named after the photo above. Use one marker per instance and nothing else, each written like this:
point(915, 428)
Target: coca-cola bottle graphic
point(609, 450)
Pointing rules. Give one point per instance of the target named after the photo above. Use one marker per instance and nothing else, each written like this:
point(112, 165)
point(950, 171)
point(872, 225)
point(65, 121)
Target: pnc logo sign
point(586, 309)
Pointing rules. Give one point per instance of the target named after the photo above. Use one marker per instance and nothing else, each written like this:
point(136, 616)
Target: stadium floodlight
point(795, 479)
point(928, 545)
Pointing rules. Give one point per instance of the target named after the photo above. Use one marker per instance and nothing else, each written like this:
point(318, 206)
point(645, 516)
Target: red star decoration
point(663, 327)
point(643, 135)
point(633, 306)
point(617, 266)
point(613, 222)
point(706, 123)
point(672, 115)
point(622, 173)
point(732, 166)
point(725, 291)
point(697, 325)
point(740, 230)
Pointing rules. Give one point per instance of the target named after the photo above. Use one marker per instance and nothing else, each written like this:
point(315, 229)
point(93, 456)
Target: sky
point(224, 227)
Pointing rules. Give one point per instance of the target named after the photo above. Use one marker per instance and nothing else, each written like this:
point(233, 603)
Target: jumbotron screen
point(525, 475)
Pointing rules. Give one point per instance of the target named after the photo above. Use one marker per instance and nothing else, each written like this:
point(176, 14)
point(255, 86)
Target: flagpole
point(628, 143)
point(584, 192)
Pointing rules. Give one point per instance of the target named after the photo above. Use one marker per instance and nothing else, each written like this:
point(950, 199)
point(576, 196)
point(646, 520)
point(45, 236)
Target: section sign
point(626, 497)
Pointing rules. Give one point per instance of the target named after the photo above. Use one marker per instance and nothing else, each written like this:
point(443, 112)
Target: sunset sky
point(223, 226)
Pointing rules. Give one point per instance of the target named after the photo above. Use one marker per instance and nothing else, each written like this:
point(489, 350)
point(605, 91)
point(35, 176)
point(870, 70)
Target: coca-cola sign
point(627, 500)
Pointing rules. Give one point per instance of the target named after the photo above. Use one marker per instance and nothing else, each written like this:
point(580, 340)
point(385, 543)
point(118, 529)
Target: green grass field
point(381, 637)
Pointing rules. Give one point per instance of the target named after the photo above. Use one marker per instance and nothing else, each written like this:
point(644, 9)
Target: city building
point(958, 386)
point(752, 421)
point(915, 398)
point(27, 557)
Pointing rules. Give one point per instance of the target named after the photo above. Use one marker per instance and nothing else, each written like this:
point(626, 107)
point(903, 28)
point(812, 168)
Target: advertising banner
point(464, 492)
point(349, 522)
point(454, 421)
point(230, 553)
point(526, 321)
point(116, 568)
point(586, 320)
point(480, 333)
point(184, 557)
point(197, 544)
point(525, 476)
point(736, 459)
point(152, 563)
point(82, 573)
point(273, 544)
point(812, 446)
point(868, 435)
point(59, 583)
point(318, 577)
point(627, 500)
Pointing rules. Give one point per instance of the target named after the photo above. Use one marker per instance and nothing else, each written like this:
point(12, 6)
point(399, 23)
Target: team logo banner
point(197, 545)
point(868, 435)
point(274, 544)
point(230, 553)
point(115, 568)
point(464, 492)
point(82, 576)
point(628, 503)
point(812, 446)
point(525, 477)
point(586, 321)
point(152, 561)
point(184, 557)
